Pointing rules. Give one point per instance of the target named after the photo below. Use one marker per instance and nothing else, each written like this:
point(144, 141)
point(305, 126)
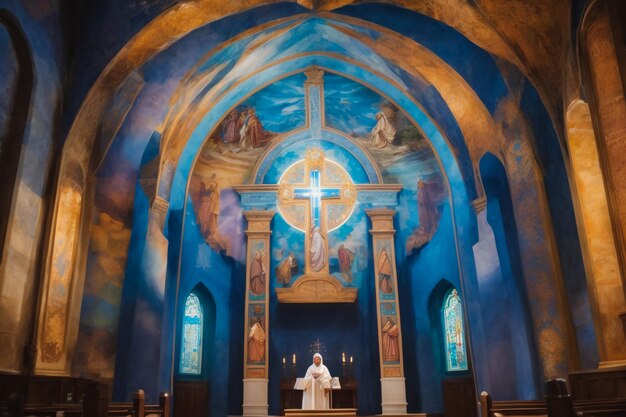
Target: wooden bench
point(600, 408)
point(615, 407)
point(490, 408)
point(95, 404)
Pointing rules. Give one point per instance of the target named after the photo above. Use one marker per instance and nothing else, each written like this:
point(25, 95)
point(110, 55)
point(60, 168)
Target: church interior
point(197, 196)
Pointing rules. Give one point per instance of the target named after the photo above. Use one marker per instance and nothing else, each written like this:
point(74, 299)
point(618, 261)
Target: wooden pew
point(95, 404)
point(615, 407)
point(490, 408)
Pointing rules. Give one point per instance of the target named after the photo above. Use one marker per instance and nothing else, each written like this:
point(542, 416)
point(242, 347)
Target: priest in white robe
point(317, 382)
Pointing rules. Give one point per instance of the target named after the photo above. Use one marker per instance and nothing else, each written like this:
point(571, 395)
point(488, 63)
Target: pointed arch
point(197, 333)
point(18, 108)
point(440, 297)
point(454, 332)
point(500, 272)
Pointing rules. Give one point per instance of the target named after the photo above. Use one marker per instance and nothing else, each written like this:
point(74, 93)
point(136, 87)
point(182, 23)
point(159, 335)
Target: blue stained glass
point(191, 347)
point(456, 356)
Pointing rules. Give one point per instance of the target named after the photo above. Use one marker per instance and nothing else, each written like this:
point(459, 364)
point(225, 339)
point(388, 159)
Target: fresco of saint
point(346, 258)
point(256, 344)
point(384, 272)
point(230, 127)
point(252, 133)
point(257, 274)
point(391, 348)
point(209, 207)
point(317, 249)
point(383, 132)
point(287, 268)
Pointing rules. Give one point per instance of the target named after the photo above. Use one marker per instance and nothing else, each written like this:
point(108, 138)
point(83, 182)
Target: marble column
point(256, 333)
point(392, 382)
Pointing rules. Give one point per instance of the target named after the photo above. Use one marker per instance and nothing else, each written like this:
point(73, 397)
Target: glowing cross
point(315, 194)
point(317, 346)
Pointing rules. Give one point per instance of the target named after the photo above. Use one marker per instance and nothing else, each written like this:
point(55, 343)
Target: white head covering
point(320, 356)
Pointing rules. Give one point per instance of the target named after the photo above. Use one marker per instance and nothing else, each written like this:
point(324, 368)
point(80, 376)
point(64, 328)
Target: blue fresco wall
point(349, 329)
point(213, 237)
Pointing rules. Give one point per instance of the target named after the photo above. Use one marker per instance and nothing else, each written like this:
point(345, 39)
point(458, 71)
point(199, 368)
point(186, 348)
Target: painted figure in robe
point(384, 272)
point(286, 269)
point(317, 249)
point(209, 207)
point(383, 132)
point(391, 348)
point(257, 274)
point(252, 133)
point(256, 344)
point(346, 258)
point(317, 378)
point(231, 126)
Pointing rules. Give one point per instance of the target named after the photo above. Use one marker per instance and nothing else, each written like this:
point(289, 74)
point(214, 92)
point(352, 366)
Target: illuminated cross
point(315, 194)
point(317, 346)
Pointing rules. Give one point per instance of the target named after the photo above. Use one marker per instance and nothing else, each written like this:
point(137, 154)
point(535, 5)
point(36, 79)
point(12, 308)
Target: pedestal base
point(255, 397)
point(393, 392)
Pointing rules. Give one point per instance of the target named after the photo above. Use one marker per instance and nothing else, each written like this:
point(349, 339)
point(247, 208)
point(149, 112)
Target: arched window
point(456, 356)
point(191, 346)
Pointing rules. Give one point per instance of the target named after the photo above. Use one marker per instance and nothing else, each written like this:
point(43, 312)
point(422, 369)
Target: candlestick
point(343, 357)
point(351, 359)
point(284, 360)
point(293, 359)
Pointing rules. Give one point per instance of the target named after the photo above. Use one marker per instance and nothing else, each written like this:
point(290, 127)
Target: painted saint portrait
point(346, 259)
point(257, 274)
point(209, 208)
point(286, 269)
point(317, 249)
point(390, 342)
point(385, 273)
point(256, 344)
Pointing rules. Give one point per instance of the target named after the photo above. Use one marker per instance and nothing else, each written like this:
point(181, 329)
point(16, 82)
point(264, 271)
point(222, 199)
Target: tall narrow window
point(456, 356)
point(191, 346)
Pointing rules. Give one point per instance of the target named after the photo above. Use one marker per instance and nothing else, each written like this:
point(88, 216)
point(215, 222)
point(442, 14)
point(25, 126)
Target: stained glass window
point(191, 348)
point(456, 356)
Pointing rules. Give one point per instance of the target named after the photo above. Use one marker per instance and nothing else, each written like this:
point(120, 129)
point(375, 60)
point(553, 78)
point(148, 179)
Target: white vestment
point(315, 396)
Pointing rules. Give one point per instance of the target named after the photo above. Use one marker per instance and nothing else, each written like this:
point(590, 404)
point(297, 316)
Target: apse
point(177, 166)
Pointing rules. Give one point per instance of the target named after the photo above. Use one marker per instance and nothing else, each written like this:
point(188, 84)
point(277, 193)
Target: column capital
point(259, 221)
point(382, 220)
point(480, 204)
point(314, 75)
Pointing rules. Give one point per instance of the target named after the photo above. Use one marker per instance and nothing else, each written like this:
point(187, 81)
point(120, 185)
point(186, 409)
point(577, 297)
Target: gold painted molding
point(317, 289)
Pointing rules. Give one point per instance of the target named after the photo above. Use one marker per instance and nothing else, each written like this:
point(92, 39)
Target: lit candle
point(351, 359)
point(343, 357)
point(293, 359)
point(284, 360)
